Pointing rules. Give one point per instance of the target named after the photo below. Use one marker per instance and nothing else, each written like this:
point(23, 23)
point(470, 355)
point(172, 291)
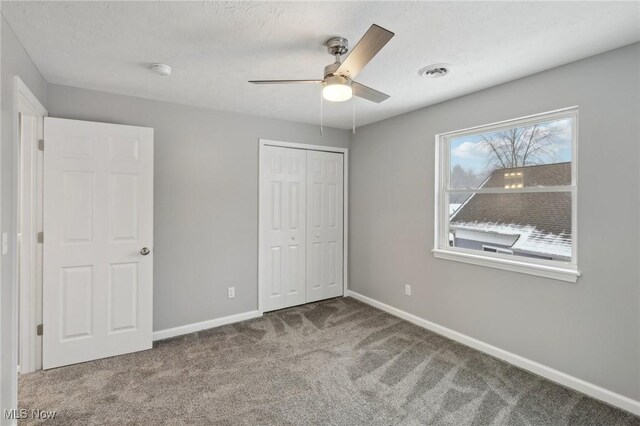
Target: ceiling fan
point(338, 84)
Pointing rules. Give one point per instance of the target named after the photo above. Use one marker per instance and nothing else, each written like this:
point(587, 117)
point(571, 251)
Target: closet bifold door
point(325, 225)
point(283, 217)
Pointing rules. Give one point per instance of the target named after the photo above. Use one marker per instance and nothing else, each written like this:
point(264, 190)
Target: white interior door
point(282, 225)
point(325, 225)
point(98, 217)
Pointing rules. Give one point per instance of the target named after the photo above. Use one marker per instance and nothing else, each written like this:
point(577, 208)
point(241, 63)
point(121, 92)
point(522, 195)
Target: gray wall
point(590, 329)
point(14, 61)
point(205, 197)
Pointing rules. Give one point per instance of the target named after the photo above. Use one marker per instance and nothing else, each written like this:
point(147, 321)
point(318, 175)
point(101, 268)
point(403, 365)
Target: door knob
point(145, 251)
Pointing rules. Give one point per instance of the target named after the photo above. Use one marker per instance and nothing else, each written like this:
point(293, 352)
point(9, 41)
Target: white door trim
point(28, 261)
point(345, 265)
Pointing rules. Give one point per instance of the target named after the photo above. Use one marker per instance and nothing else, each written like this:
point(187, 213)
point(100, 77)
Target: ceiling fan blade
point(285, 81)
point(368, 93)
point(369, 45)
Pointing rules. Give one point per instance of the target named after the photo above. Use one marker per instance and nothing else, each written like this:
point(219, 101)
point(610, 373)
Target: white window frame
point(565, 271)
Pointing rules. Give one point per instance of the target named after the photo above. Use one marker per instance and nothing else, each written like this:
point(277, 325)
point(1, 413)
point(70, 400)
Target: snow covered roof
point(530, 240)
point(541, 219)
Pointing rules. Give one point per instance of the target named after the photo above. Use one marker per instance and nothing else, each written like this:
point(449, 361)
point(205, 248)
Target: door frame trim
point(29, 277)
point(345, 233)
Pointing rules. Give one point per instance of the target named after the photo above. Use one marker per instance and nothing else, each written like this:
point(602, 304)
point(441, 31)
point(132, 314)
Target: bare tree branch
point(519, 147)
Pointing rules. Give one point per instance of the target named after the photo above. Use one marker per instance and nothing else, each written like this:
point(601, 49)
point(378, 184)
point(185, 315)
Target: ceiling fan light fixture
point(337, 88)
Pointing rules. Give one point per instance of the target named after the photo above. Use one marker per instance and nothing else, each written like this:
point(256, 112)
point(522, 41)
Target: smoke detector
point(161, 69)
point(435, 70)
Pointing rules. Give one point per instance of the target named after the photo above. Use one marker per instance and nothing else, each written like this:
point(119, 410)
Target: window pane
point(533, 225)
point(533, 155)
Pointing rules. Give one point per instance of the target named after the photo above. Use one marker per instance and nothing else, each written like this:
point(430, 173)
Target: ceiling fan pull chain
point(321, 129)
point(353, 114)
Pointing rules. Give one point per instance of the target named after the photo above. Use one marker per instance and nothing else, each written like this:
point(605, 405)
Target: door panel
point(123, 215)
point(98, 214)
point(123, 295)
point(282, 239)
point(325, 183)
point(77, 306)
point(77, 206)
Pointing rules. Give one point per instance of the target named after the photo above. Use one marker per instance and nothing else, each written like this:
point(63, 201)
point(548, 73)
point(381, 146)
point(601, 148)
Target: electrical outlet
point(407, 290)
point(231, 292)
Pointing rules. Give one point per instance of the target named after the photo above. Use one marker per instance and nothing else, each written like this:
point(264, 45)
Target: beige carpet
point(334, 362)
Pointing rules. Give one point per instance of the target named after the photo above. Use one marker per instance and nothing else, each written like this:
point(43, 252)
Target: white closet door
point(283, 217)
point(325, 224)
point(98, 224)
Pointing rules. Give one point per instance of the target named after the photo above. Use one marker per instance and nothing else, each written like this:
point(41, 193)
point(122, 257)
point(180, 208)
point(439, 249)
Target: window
point(506, 195)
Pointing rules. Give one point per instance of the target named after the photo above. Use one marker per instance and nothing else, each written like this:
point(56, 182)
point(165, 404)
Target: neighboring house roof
point(542, 219)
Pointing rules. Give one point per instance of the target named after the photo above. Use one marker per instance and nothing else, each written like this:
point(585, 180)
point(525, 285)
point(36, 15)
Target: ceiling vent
point(435, 70)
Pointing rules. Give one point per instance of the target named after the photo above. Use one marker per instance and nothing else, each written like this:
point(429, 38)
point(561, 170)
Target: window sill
point(556, 273)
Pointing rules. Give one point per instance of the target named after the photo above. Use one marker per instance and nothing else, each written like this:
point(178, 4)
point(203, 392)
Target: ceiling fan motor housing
point(330, 69)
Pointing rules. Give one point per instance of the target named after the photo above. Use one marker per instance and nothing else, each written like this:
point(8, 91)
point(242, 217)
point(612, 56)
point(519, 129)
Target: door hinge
point(39, 330)
point(40, 144)
point(40, 237)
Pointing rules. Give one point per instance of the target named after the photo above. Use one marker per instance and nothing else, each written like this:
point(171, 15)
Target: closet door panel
point(325, 225)
point(283, 224)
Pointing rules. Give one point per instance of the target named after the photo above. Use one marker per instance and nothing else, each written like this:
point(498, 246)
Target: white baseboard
point(564, 379)
point(198, 326)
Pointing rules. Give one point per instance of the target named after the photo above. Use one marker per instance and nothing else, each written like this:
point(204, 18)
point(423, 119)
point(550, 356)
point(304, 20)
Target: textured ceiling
point(215, 47)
